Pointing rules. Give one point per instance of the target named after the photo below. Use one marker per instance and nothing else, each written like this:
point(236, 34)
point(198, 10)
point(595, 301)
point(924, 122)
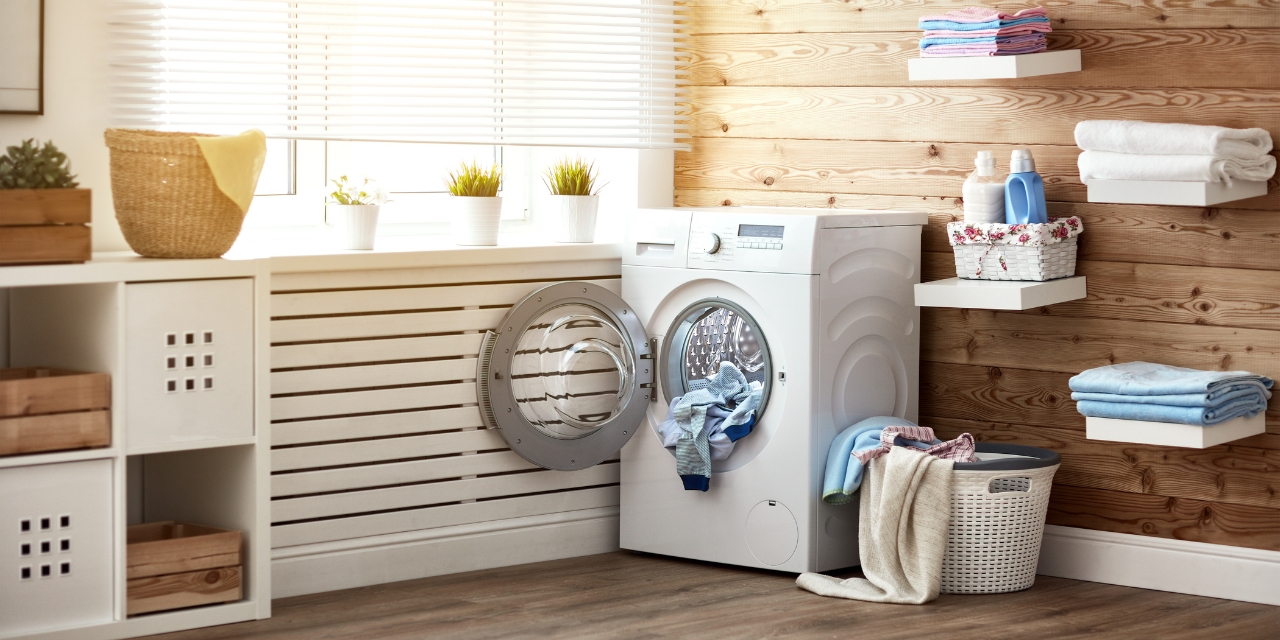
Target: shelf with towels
point(1191, 194)
point(998, 294)
point(994, 67)
point(1174, 435)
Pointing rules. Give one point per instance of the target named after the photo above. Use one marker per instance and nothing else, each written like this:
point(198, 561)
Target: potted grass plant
point(477, 205)
point(354, 208)
point(43, 216)
point(572, 181)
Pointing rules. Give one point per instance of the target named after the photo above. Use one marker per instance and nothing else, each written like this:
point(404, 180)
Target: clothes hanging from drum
point(704, 424)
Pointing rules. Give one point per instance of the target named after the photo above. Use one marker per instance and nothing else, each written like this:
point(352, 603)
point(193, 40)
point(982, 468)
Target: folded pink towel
point(982, 49)
point(984, 14)
point(1003, 32)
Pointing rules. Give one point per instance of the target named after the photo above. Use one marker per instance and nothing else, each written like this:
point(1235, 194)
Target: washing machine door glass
point(707, 333)
point(567, 376)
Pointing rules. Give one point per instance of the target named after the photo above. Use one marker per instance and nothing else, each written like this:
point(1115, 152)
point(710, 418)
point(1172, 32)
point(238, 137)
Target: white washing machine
point(815, 304)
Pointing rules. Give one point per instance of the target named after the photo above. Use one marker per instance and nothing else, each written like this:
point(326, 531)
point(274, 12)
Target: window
point(401, 90)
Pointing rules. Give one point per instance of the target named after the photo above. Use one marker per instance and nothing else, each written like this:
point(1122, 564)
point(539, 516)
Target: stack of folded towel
point(1128, 150)
point(1161, 393)
point(980, 31)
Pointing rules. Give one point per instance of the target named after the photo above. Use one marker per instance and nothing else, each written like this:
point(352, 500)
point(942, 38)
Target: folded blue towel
point(931, 41)
point(947, 25)
point(1230, 393)
point(1200, 416)
point(1147, 379)
point(844, 472)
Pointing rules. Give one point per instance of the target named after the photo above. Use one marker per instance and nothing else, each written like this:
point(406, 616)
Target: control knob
point(712, 243)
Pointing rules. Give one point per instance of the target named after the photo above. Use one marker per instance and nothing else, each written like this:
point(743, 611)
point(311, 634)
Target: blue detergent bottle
point(1024, 191)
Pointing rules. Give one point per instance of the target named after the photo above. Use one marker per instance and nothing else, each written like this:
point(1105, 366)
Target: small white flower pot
point(358, 224)
point(475, 220)
point(577, 218)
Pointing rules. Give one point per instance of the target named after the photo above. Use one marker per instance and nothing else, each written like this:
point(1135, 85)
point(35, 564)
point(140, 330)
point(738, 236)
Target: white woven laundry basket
point(993, 251)
point(998, 508)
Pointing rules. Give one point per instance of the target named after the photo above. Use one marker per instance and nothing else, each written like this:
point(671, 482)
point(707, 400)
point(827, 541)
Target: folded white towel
point(1127, 136)
point(1105, 165)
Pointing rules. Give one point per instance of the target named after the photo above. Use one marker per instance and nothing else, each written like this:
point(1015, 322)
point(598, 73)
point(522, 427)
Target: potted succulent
point(477, 207)
point(43, 216)
point(573, 183)
point(354, 208)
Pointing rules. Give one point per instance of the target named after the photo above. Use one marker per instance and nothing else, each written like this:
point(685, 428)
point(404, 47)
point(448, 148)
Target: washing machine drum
point(567, 376)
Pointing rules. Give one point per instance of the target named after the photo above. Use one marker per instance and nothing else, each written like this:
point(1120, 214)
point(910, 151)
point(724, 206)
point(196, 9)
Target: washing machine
point(815, 304)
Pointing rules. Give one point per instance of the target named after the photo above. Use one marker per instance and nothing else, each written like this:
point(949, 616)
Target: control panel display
point(760, 231)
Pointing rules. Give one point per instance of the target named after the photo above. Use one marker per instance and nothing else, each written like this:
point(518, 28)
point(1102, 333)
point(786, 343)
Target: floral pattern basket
point(996, 251)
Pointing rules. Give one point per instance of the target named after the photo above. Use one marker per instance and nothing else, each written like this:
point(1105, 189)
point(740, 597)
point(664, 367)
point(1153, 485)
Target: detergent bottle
point(1024, 191)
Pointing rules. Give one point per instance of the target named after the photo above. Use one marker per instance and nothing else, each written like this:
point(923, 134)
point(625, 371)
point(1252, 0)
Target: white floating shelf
point(994, 67)
point(998, 294)
point(1174, 435)
point(1192, 194)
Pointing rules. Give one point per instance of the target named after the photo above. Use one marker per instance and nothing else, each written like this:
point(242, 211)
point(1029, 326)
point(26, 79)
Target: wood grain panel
point(1071, 345)
point(870, 167)
point(1122, 59)
point(1191, 236)
point(441, 516)
point(997, 395)
point(434, 493)
point(1159, 293)
point(813, 16)
point(382, 449)
point(962, 114)
point(1225, 473)
point(1158, 516)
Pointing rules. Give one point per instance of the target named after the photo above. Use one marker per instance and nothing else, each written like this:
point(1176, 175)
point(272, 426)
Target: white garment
point(1107, 165)
point(1152, 138)
point(902, 531)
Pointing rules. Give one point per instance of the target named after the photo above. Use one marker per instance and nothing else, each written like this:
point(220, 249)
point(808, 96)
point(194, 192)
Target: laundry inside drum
point(572, 371)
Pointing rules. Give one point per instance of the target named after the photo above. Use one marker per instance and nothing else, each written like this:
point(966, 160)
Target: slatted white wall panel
point(376, 430)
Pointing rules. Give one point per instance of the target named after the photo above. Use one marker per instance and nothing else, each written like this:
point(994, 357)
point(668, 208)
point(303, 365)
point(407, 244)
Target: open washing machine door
point(567, 376)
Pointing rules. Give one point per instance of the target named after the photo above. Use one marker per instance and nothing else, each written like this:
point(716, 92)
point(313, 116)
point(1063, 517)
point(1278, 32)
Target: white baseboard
point(1180, 566)
point(367, 561)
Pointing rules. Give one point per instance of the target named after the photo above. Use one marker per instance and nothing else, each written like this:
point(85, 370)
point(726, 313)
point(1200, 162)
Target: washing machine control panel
point(738, 240)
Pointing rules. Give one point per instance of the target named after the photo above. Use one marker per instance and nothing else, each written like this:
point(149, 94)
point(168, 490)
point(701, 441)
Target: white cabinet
point(56, 548)
point(189, 362)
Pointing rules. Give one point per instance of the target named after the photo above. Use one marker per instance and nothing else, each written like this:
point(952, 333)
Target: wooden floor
point(626, 595)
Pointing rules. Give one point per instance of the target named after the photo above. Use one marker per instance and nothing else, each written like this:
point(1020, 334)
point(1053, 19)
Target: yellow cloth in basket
point(236, 162)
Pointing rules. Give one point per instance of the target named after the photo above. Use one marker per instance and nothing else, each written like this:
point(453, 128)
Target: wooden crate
point(45, 225)
point(173, 565)
point(53, 410)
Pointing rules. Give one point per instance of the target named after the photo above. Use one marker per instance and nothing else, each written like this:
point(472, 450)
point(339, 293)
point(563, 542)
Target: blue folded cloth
point(1230, 393)
point(948, 25)
point(1148, 379)
point(844, 472)
point(1199, 416)
point(931, 41)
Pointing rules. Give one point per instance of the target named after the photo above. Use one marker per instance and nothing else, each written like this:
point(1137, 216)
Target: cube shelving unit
point(186, 344)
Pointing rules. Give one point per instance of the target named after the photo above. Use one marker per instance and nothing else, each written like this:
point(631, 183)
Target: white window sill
point(396, 252)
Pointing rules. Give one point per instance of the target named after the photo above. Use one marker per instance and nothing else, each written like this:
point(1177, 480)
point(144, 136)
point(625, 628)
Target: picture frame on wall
point(22, 56)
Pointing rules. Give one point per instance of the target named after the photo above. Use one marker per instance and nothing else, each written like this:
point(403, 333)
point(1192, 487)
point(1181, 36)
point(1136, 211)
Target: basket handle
point(1009, 484)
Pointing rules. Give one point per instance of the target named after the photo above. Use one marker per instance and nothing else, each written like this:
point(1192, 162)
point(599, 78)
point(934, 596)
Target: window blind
point(512, 72)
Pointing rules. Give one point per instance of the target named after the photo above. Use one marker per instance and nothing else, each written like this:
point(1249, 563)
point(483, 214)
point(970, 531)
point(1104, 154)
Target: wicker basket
point(165, 197)
point(998, 507)
point(1044, 262)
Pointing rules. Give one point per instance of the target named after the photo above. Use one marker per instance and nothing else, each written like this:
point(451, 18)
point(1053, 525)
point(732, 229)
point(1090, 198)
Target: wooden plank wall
point(807, 103)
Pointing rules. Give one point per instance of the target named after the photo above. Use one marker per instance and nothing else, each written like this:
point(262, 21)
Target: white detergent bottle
point(984, 191)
